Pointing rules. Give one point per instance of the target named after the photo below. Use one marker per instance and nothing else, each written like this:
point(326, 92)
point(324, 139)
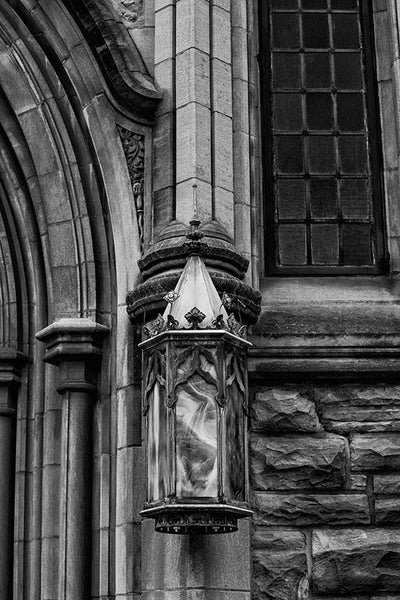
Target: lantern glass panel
point(196, 439)
point(157, 455)
point(234, 470)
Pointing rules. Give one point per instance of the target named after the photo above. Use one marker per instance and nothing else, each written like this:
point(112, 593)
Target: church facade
point(263, 137)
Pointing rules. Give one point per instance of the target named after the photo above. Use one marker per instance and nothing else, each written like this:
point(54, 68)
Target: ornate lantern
point(195, 401)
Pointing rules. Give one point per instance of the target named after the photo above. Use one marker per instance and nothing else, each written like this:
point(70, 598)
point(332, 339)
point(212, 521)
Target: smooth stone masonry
point(349, 561)
point(297, 462)
point(301, 510)
point(375, 452)
point(284, 409)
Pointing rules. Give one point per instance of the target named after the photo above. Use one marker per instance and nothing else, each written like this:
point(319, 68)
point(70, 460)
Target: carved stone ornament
point(195, 317)
point(133, 144)
point(130, 10)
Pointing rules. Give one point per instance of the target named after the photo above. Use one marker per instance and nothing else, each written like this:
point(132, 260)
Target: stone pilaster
point(194, 154)
point(75, 346)
point(10, 364)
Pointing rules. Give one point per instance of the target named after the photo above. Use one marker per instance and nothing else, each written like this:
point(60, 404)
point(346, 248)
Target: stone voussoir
point(298, 462)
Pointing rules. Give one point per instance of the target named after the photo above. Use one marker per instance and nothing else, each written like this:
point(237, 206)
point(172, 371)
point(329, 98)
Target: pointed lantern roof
point(195, 290)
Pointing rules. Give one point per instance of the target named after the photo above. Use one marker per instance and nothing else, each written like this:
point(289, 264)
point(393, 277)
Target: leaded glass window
point(320, 141)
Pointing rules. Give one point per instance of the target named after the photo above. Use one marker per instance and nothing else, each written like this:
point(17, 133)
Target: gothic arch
point(69, 238)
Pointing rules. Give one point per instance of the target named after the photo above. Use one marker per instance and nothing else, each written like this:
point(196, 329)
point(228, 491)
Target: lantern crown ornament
point(195, 402)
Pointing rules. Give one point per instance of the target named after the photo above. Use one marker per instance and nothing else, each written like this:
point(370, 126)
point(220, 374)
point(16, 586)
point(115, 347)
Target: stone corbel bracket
point(75, 345)
point(117, 55)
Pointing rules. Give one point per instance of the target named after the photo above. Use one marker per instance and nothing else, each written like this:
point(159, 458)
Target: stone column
point(75, 346)
point(10, 364)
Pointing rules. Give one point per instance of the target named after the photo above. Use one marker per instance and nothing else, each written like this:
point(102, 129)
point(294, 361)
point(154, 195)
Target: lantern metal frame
point(196, 349)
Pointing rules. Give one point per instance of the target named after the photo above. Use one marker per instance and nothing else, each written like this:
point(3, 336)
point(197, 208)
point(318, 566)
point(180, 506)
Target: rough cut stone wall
point(325, 479)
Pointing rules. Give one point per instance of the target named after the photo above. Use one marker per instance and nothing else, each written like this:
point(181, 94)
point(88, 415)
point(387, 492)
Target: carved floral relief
point(133, 144)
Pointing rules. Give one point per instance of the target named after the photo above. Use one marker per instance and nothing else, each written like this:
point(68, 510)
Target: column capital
point(11, 364)
point(74, 345)
point(72, 339)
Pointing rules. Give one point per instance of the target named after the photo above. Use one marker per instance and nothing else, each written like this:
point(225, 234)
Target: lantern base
point(196, 518)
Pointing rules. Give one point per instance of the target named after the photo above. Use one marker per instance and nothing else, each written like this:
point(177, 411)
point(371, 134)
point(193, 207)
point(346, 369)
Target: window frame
point(379, 241)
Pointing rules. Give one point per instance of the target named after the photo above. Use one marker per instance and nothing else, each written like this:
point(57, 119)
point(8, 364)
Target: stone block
point(387, 510)
point(192, 25)
point(224, 209)
point(284, 409)
point(193, 140)
point(185, 202)
point(221, 34)
point(310, 509)
point(351, 561)
point(164, 31)
point(164, 77)
point(357, 482)
point(192, 78)
point(280, 569)
point(223, 151)
point(127, 558)
point(164, 148)
point(387, 484)
point(347, 408)
point(375, 452)
point(275, 540)
point(222, 87)
point(383, 49)
point(175, 562)
point(298, 462)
